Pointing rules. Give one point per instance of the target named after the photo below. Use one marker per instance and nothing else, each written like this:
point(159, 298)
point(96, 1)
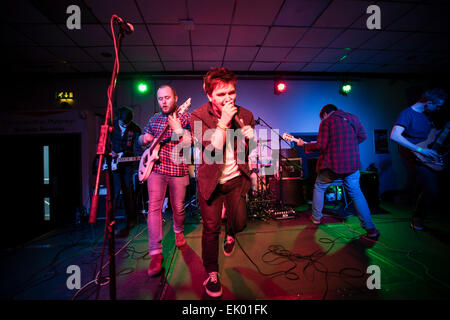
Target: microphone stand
point(280, 138)
point(104, 148)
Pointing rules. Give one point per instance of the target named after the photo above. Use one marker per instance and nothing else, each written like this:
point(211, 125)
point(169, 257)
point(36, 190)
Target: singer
point(222, 182)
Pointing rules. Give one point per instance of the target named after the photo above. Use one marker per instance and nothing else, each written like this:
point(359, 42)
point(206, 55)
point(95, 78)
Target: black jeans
point(123, 180)
point(426, 183)
point(232, 195)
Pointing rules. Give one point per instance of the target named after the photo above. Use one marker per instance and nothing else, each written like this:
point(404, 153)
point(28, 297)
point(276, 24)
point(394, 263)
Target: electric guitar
point(435, 143)
point(288, 137)
point(150, 155)
point(120, 158)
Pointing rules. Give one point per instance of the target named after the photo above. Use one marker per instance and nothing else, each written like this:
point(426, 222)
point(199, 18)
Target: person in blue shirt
point(413, 126)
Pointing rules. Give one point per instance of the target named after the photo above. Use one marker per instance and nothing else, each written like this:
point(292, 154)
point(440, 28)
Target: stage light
point(279, 87)
point(142, 87)
point(346, 88)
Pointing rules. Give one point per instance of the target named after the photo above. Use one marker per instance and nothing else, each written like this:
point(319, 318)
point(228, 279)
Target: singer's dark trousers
point(231, 194)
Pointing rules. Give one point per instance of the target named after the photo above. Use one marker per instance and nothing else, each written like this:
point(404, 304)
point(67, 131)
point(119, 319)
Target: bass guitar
point(435, 142)
point(150, 155)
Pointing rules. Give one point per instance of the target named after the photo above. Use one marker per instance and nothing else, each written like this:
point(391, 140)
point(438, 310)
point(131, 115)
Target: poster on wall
point(381, 141)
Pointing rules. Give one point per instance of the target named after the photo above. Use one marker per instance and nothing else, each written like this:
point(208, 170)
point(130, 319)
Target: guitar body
point(435, 165)
point(148, 159)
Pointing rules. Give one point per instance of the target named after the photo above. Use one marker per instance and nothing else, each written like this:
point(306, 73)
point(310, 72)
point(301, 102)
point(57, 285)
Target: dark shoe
point(373, 233)
point(417, 224)
point(316, 222)
point(179, 239)
point(155, 265)
point(212, 285)
point(228, 245)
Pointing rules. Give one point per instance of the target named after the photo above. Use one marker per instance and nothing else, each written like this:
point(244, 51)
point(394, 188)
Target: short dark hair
point(125, 114)
point(215, 76)
point(168, 86)
point(327, 109)
point(433, 95)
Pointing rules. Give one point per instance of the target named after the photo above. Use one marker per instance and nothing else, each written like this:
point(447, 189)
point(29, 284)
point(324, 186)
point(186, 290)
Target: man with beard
point(166, 173)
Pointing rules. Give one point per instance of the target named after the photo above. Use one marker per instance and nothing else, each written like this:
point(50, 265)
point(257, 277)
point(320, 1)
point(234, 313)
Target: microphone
point(124, 26)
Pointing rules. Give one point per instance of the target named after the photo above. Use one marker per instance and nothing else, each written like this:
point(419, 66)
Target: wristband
point(221, 125)
point(419, 150)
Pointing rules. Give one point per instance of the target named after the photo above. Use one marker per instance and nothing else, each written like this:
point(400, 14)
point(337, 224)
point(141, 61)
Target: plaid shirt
point(165, 165)
point(338, 142)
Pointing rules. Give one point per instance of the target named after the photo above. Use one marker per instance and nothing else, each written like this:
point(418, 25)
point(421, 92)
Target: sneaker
point(314, 220)
point(228, 245)
point(155, 264)
point(417, 224)
point(179, 239)
point(373, 233)
point(212, 285)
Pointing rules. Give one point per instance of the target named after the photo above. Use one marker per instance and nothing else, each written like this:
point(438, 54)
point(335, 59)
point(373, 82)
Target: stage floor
point(288, 259)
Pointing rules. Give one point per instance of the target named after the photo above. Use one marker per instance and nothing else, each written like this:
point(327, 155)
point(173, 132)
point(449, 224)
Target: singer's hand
point(228, 112)
point(248, 132)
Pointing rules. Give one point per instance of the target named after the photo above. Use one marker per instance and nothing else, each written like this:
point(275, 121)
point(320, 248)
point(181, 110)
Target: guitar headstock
point(288, 137)
point(181, 109)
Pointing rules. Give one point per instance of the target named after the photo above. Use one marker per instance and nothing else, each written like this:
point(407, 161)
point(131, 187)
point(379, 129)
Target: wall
point(376, 102)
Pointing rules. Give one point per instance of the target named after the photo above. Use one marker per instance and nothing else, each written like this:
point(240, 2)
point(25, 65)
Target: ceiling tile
point(256, 12)
point(26, 14)
point(46, 35)
point(419, 18)
point(342, 67)
point(272, 54)
point(206, 65)
point(342, 13)
point(210, 35)
point(364, 67)
point(300, 12)
point(139, 37)
point(331, 55)
point(319, 37)
point(316, 67)
point(178, 66)
point(359, 56)
point(88, 66)
point(101, 54)
point(92, 35)
point(202, 53)
point(210, 11)
point(72, 54)
point(140, 53)
point(167, 11)
point(383, 40)
point(286, 66)
point(240, 53)
point(283, 36)
point(148, 66)
point(124, 9)
point(237, 65)
point(175, 53)
point(31, 54)
point(124, 66)
point(302, 54)
point(414, 41)
point(247, 35)
point(384, 57)
point(440, 44)
point(169, 34)
point(13, 37)
point(352, 38)
point(264, 66)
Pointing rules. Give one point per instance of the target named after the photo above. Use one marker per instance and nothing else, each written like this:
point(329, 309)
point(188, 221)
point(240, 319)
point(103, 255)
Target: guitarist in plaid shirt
point(166, 173)
point(340, 134)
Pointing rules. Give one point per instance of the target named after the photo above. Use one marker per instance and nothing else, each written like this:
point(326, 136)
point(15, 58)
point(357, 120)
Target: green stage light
point(142, 87)
point(345, 89)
